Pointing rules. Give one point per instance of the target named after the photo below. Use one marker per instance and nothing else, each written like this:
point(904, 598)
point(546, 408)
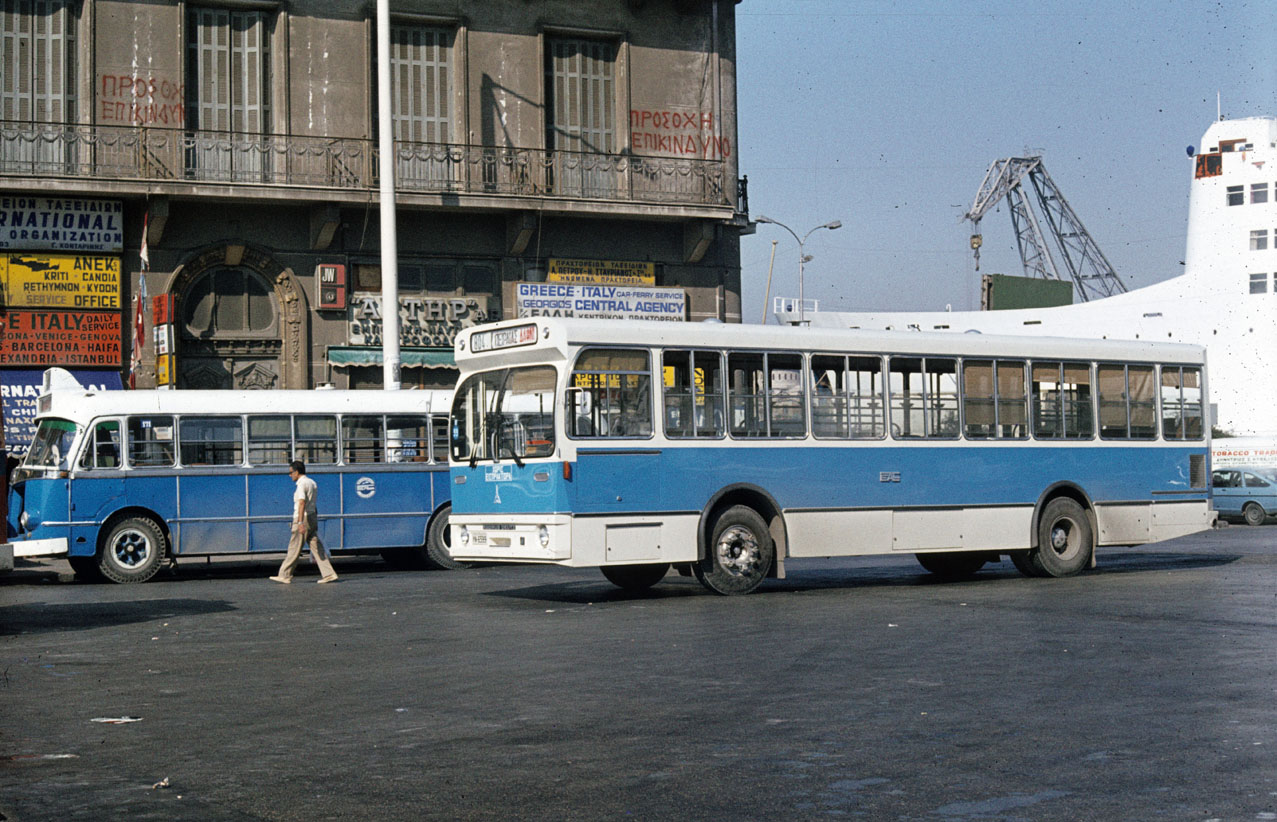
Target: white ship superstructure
point(1226, 299)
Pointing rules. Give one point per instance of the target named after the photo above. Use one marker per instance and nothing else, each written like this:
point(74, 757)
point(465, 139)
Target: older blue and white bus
point(120, 482)
point(727, 450)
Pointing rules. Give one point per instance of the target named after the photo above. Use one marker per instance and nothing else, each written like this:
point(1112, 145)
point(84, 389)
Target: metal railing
point(175, 155)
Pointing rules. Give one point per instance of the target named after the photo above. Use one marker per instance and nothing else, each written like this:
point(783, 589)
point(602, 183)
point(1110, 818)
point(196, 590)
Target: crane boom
point(1083, 262)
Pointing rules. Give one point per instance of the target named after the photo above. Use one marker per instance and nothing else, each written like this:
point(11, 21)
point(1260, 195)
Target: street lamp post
point(803, 258)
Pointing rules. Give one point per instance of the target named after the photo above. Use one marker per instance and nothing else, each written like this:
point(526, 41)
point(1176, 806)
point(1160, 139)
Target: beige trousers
point(309, 536)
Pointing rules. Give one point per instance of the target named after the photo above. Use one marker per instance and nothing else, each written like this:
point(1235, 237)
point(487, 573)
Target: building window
point(580, 115)
point(1259, 239)
point(1259, 192)
point(1236, 195)
point(37, 75)
point(421, 90)
point(1258, 283)
point(228, 90)
point(229, 301)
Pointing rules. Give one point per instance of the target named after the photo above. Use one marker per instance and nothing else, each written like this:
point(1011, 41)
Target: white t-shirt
point(306, 491)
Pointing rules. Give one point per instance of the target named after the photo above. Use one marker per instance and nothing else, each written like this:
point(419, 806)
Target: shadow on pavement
point(39, 617)
point(890, 574)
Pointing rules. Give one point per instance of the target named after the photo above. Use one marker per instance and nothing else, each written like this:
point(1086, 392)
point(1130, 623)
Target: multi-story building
point(535, 140)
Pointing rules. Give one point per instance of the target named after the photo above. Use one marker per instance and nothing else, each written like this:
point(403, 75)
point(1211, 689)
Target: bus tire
point(439, 543)
point(739, 555)
point(1254, 513)
point(1026, 562)
point(635, 577)
point(1065, 539)
point(133, 551)
point(85, 568)
point(953, 564)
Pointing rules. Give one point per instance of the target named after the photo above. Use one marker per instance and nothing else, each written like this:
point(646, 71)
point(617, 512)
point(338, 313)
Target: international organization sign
point(612, 302)
point(61, 224)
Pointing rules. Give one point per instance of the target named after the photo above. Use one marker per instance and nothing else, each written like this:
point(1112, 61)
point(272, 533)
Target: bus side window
point(103, 448)
point(362, 439)
point(269, 440)
point(150, 441)
point(407, 439)
point(211, 440)
point(315, 439)
point(439, 438)
point(614, 397)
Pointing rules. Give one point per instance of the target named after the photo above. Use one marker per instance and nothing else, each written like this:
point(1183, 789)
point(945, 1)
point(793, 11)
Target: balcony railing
point(158, 155)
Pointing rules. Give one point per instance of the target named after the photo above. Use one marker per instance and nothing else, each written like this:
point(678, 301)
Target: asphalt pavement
point(856, 688)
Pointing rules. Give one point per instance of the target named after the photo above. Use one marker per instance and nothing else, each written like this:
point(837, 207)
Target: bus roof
point(561, 333)
point(82, 405)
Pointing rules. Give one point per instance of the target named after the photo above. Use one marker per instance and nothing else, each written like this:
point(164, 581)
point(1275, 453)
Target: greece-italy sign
point(613, 302)
point(61, 224)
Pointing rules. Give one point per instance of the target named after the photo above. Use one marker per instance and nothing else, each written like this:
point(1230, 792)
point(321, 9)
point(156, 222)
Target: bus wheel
point(953, 565)
point(1254, 514)
point(1065, 540)
point(635, 577)
point(740, 553)
point(133, 552)
point(439, 543)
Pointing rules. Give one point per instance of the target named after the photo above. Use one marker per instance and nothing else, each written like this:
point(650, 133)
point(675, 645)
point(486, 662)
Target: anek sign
point(86, 281)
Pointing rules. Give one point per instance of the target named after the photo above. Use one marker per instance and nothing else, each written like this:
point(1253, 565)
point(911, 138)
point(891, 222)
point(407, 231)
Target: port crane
point(1092, 275)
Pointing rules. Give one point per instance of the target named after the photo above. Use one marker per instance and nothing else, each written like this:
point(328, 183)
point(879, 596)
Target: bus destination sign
point(503, 338)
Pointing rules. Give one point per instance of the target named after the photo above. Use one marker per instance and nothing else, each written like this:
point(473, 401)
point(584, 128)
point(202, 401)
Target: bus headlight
point(465, 535)
point(24, 521)
point(543, 534)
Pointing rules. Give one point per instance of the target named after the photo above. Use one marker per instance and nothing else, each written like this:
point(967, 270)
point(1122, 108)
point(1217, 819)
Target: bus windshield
point(51, 447)
point(504, 413)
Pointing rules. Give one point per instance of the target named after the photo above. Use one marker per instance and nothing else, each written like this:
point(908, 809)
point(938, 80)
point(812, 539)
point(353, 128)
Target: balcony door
point(581, 117)
point(228, 94)
point(37, 84)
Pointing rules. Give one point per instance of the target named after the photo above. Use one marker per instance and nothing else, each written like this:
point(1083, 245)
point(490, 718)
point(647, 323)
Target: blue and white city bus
point(119, 482)
point(726, 450)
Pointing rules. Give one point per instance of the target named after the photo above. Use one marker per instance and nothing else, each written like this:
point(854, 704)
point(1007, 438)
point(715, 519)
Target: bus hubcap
point(738, 551)
point(131, 549)
point(1060, 537)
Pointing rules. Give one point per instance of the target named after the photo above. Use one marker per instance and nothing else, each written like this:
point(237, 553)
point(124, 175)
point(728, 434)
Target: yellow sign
point(84, 281)
point(164, 372)
point(605, 272)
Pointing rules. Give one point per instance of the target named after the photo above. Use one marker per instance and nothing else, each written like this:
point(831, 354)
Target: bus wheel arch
point(1064, 535)
point(133, 545)
point(438, 547)
point(741, 539)
point(1053, 492)
point(750, 496)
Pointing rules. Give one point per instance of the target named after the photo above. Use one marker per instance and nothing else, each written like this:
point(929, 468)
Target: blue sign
point(19, 389)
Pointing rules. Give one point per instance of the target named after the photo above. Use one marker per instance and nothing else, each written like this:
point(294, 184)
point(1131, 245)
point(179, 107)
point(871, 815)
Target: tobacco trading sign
point(83, 281)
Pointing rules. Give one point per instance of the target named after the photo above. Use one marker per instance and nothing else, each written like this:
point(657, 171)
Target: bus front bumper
point(476, 538)
point(30, 548)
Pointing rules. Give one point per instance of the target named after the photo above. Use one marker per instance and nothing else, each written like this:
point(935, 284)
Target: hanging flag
point(145, 253)
point(139, 329)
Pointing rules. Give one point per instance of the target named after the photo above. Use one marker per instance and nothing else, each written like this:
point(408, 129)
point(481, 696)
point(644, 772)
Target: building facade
point(543, 147)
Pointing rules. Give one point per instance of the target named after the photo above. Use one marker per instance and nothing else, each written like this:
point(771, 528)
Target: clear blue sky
point(886, 116)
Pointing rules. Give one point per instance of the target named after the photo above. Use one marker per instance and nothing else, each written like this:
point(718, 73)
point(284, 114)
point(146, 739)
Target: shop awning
point(346, 355)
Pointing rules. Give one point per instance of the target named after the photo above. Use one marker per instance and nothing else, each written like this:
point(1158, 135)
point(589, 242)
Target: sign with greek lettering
point(601, 272)
point(84, 281)
point(613, 302)
point(423, 321)
point(60, 338)
point(62, 224)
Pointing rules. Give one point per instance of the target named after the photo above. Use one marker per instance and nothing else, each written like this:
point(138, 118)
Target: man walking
point(305, 528)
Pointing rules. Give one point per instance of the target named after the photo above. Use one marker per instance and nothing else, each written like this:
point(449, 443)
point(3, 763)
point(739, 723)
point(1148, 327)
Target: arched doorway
point(241, 322)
